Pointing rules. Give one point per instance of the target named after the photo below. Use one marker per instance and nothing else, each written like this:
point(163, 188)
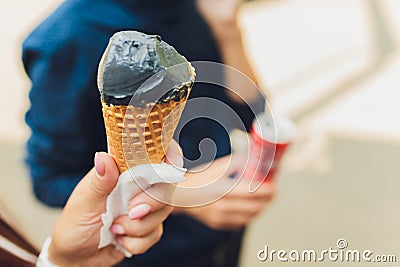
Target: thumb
point(104, 178)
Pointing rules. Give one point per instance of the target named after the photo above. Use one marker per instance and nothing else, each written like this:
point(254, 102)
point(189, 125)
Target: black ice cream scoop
point(138, 69)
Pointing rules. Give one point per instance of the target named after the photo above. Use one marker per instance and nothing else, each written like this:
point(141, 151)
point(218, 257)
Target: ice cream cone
point(140, 135)
point(144, 84)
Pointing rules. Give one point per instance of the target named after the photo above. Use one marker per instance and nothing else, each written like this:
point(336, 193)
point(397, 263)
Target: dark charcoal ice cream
point(137, 69)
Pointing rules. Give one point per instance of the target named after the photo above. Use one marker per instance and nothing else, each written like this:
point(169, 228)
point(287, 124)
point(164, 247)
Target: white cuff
point(43, 260)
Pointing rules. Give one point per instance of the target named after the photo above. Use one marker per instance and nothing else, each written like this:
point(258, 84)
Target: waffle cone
point(140, 135)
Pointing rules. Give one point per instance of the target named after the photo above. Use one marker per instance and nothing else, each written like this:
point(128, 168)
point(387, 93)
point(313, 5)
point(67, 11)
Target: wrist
point(44, 259)
point(53, 254)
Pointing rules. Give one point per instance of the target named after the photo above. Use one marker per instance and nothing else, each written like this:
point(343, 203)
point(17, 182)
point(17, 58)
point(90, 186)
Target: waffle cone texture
point(140, 135)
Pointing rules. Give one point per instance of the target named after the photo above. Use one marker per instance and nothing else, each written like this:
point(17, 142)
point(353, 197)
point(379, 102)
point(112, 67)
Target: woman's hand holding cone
point(76, 234)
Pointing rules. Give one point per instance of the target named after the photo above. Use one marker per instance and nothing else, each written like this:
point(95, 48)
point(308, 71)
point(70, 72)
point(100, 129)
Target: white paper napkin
point(127, 187)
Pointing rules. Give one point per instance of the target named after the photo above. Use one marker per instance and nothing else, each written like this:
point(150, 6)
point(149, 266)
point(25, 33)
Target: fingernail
point(99, 165)
point(117, 229)
point(139, 211)
point(179, 161)
point(119, 240)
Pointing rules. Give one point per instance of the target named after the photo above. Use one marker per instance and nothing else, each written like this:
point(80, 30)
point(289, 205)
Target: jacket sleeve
point(64, 116)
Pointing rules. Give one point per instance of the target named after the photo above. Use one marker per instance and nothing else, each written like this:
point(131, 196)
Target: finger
point(139, 245)
point(266, 191)
point(106, 176)
point(235, 206)
point(248, 207)
point(235, 219)
point(142, 227)
point(230, 222)
point(93, 190)
point(174, 155)
point(151, 200)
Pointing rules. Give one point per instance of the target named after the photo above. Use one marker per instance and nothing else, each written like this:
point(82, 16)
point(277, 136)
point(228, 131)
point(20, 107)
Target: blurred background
point(333, 66)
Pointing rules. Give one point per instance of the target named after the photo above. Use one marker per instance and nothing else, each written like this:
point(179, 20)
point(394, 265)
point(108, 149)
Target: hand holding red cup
point(270, 138)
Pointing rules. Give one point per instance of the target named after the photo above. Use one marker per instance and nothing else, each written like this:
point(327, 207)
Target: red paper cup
point(270, 137)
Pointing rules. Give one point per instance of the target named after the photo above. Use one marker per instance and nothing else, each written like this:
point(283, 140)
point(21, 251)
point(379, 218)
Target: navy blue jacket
point(61, 57)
